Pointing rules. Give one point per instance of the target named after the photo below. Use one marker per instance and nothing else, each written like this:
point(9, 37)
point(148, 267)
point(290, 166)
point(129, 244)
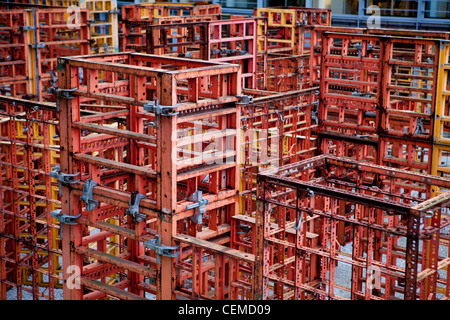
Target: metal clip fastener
point(133, 209)
point(299, 223)
point(87, 196)
point(245, 100)
point(156, 108)
point(419, 128)
point(63, 178)
point(37, 45)
point(65, 93)
point(64, 218)
point(161, 250)
point(199, 206)
point(280, 114)
point(34, 245)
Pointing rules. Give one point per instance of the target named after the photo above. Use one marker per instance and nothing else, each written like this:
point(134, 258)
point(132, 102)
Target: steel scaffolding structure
point(222, 157)
point(308, 211)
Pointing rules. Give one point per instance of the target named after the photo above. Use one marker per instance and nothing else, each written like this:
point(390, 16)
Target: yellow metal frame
point(284, 13)
point(441, 93)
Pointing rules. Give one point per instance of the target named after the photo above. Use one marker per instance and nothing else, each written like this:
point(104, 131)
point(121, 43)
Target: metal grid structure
point(226, 40)
point(14, 53)
point(104, 24)
point(196, 179)
point(44, 34)
point(29, 238)
point(186, 138)
point(309, 211)
point(136, 17)
point(381, 88)
point(277, 129)
point(103, 19)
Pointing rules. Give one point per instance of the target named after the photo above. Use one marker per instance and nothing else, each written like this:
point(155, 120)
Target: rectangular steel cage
point(333, 228)
point(171, 145)
point(229, 40)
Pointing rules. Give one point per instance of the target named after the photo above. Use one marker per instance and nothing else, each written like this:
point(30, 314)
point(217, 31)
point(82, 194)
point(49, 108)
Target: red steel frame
point(154, 152)
point(14, 53)
point(302, 209)
point(372, 87)
point(230, 40)
point(137, 17)
point(38, 36)
point(29, 249)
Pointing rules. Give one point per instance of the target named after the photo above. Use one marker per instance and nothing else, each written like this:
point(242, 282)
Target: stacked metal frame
point(285, 44)
point(228, 40)
point(303, 250)
point(44, 34)
point(29, 237)
point(14, 53)
point(103, 19)
point(165, 166)
point(136, 17)
point(379, 91)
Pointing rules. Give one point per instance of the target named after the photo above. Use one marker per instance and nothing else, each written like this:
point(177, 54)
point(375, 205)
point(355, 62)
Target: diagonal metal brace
point(63, 178)
point(160, 249)
point(199, 206)
point(133, 209)
point(87, 196)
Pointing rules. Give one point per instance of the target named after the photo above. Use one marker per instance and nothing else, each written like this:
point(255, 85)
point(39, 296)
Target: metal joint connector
point(199, 205)
point(87, 196)
point(245, 100)
point(37, 45)
point(160, 249)
point(133, 209)
point(156, 108)
point(63, 178)
point(64, 219)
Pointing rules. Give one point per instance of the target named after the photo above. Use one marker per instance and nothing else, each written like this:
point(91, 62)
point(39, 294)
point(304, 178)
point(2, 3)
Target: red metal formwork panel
point(285, 72)
point(213, 271)
point(137, 17)
point(57, 35)
point(14, 53)
point(165, 165)
point(229, 40)
point(308, 209)
point(381, 88)
point(29, 238)
point(277, 129)
point(285, 27)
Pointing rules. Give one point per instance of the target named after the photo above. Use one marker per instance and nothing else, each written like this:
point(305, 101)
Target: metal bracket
point(160, 249)
point(156, 108)
point(299, 223)
point(63, 178)
point(65, 93)
point(419, 128)
point(39, 45)
point(199, 206)
point(280, 114)
point(87, 196)
point(34, 245)
point(64, 218)
point(133, 209)
point(27, 28)
point(315, 116)
point(245, 100)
